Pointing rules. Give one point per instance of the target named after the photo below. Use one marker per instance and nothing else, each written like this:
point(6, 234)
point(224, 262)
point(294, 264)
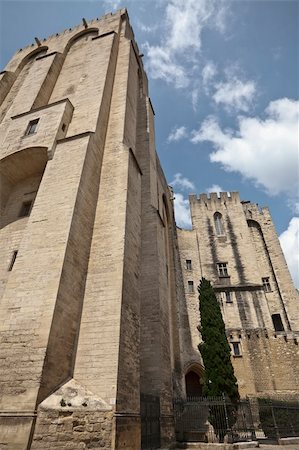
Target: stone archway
point(192, 382)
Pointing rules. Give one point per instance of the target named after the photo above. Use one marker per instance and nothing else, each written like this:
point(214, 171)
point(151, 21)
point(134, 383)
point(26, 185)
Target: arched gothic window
point(218, 224)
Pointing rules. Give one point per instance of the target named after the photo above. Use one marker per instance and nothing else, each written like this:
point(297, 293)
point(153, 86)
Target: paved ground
point(274, 447)
point(279, 447)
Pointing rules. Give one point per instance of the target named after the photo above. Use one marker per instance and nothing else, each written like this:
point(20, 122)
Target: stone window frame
point(266, 284)
point(222, 269)
point(190, 285)
point(236, 349)
point(31, 127)
point(218, 223)
point(228, 296)
point(188, 264)
point(26, 208)
point(277, 323)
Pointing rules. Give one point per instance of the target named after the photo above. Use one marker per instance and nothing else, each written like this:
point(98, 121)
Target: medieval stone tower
point(234, 244)
point(96, 324)
point(86, 248)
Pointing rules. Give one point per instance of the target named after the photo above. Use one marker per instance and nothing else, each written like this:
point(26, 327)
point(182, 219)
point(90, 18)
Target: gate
point(213, 419)
point(150, 421)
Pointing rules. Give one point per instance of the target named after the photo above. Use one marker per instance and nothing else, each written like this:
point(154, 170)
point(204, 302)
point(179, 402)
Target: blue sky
point(224, 85)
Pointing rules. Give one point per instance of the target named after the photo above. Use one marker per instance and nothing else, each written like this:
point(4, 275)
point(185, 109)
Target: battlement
point(68, 31)
point(214, 199)
point(59, 42)
point(252, 210)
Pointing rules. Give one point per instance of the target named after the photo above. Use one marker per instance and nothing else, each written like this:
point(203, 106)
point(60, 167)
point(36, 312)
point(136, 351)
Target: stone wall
point(91, 300)
point(268, 360)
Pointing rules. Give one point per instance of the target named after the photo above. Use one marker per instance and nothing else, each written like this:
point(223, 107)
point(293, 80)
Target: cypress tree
point(219, 375)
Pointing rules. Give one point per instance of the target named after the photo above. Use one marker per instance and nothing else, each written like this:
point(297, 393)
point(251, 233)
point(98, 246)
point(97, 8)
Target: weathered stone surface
point(269, 359)
point(93, 308)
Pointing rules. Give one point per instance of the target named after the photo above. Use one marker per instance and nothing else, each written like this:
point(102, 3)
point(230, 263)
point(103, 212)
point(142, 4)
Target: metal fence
point(277, 419)
point(150, 421)
point(217, 419)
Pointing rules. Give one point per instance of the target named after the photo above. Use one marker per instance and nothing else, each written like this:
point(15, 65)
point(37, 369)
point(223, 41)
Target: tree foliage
point(219, 375)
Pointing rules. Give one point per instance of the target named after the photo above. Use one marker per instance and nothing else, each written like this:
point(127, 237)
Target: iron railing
point(277, 419)
point(150, 421)
point(217, 419)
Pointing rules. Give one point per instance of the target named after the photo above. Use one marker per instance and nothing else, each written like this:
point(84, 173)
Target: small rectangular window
point(26, 208)
point(190, 287)
point(277, 322)
point(236, 348)
point(228, 297)
point(222, 269)
point(63, 127)
point(266, 284)
point(12, 261)
point(31, 128)
point(188, 264)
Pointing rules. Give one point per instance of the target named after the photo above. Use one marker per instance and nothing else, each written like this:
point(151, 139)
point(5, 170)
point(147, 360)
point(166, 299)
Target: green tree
point(219, 378)
point(219, 375)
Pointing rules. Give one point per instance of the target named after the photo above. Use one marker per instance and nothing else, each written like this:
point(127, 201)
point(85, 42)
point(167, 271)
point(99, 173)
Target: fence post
point(275, 424)
point(253, 435)
point(226, 417)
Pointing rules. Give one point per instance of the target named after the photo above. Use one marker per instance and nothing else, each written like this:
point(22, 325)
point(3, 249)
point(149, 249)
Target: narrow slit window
point(31, 128)
point(26, 209)
point(190, 287)
point(188, 264)
point(222, 270)
point(266, 284)
point(12, 261)
point(277, 322)
point(218, 224)
point(236, 348)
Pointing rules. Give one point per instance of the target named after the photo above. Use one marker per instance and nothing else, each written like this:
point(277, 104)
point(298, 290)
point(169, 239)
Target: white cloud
point(182, 211)
point(177, 133)
point(263, 150)
point(185, 20)
point(182, 182)
point(194, 97)
point(112, 4)
point(289, 241)
point(183, 23)
point(146, 28)
point(163, 66)
point(208, 73)
point(234, 94)
point(215, 188)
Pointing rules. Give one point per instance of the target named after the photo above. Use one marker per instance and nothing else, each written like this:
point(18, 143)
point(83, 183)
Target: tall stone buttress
point(86, 245)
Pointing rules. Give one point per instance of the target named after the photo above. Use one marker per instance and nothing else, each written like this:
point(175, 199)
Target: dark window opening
point(218, 224)
point(277, 322)
point(26, 208)
point(236, 348)
point(190, 287)
point(31, 128)
point(266, 284)
point(222, 269)
point(12, 261)
point(63, 126)
point(228, 297)
point(188, 264)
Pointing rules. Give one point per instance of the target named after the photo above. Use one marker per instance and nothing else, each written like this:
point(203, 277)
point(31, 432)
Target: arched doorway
point(193, 385)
